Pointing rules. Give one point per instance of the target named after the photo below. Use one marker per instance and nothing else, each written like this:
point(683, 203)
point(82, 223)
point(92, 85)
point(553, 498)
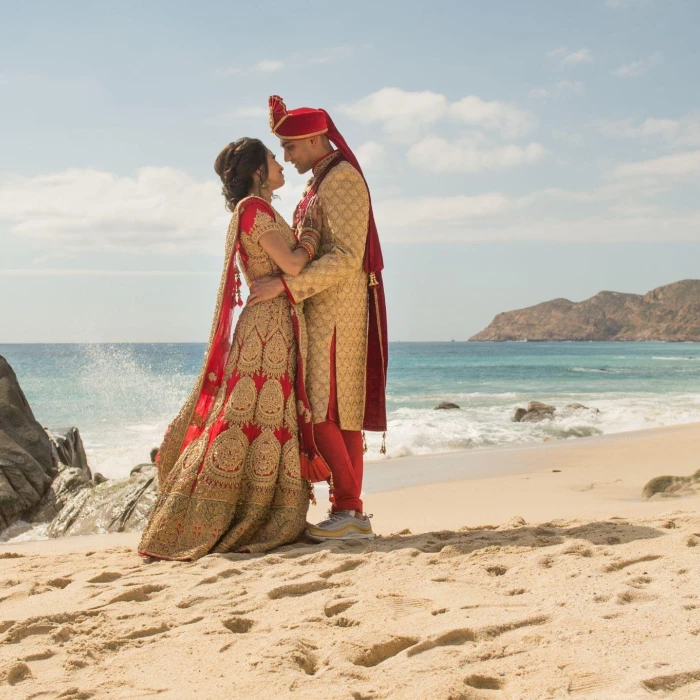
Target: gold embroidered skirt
point(238, 486)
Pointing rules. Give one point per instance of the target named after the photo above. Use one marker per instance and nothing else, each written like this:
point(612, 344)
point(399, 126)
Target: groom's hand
point(264, 289)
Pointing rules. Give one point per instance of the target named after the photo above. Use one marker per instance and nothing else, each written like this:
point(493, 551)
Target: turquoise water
point(122, 396)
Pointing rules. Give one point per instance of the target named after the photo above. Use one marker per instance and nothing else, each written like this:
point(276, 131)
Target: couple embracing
point(283, 403)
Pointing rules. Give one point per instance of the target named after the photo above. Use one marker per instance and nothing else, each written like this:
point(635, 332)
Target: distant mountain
point(667, 313)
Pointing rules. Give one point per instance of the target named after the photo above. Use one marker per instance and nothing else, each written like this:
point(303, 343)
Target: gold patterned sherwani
point(335, 289)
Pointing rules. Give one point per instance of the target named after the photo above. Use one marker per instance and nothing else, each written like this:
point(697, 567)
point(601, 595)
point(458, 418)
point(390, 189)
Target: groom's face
point(299, 153)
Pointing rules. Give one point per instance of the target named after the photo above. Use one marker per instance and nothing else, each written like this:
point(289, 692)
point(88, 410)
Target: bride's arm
point(292, 262)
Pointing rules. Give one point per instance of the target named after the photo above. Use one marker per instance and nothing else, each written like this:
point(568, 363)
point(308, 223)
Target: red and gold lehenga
point(236, 464)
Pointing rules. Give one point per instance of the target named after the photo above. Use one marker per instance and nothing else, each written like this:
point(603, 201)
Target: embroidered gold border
point(296, 138)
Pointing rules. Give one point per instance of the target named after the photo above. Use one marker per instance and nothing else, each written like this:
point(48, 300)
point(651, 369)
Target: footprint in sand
point(105, 577)
point(238, 625)
point(378, 653)
point(586, 681)
point(221, 576)
point(627, 597)
point(347, 565)
point(667, 684)
point(59, 582)
point(459, 636)
point(15, 672)
point(624, 563)
point(298, 589)
point(639, 581)
point(484, 682)
point(335, 607)
point(139, 594)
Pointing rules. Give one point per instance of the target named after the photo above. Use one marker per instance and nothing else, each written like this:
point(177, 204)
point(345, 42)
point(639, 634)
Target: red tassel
point(314, 470)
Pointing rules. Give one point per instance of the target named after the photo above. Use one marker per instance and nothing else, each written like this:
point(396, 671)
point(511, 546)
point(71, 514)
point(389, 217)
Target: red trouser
point(342, 450)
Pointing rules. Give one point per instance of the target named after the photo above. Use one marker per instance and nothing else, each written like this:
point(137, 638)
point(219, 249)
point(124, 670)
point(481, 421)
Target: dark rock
point(536, 412)
point(121, 505)
point(69, 448)
point(27, 461)
point(446, 406)
point(520, 413)
point(98, 478)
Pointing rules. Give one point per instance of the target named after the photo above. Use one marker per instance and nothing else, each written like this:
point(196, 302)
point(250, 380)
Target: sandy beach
point(533, 572)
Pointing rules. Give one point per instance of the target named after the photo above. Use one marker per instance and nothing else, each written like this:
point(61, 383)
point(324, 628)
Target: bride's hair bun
point(237, 164)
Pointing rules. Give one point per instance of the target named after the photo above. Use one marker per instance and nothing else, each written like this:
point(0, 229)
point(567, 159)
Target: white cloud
point(471, 155)
point(576, 57)
point(571, 58)
point(268, 66)
point(510, 120)
point(160, 209)
point(404, 115)
point(545, 215)
point(678, 133)
point(678, 165)
point(635, 69)
point(401, 113)
point(371, 155)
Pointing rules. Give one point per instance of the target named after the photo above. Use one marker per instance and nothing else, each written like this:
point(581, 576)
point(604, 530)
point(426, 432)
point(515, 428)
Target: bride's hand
point(313, 217)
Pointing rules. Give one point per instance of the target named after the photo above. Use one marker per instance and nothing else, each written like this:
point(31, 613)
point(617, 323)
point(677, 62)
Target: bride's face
point(275, 172)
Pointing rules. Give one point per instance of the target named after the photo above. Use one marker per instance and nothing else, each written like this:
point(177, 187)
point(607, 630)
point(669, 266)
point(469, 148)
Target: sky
point(515, 152)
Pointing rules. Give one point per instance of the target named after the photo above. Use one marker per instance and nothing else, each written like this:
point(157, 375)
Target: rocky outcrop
point(120, 505)
point(45, 477)
point(446, 406)
point(671, 486)
point(27, 459)
point(670, 313)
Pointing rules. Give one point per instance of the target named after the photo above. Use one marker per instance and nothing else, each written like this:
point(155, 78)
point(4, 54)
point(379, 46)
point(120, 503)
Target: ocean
point(122, 396)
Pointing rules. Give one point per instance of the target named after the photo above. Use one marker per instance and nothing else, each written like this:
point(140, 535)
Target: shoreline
point(490, 484)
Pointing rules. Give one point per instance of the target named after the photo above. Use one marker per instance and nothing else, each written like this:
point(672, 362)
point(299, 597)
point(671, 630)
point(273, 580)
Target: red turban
point(295, 124)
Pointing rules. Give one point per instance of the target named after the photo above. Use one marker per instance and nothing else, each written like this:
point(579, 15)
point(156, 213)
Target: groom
point(344, 308)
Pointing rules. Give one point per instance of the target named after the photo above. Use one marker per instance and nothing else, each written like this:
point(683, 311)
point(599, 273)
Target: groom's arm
point(345, 203)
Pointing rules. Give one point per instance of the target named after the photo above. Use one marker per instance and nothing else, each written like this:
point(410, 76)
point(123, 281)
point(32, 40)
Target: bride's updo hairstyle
point(237, 164)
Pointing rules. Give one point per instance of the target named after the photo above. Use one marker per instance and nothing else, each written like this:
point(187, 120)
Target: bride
point(236, 464)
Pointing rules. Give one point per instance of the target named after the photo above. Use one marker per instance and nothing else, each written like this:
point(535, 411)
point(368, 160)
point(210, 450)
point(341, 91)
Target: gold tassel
point(382, 449)
point(364, 443)
point(373, 280)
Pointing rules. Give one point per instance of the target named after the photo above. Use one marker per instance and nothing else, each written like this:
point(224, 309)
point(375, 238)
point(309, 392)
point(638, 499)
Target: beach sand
point(542, 576)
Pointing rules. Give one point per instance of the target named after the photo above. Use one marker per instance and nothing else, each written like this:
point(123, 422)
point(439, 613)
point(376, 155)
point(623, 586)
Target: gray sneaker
point(341, 525)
